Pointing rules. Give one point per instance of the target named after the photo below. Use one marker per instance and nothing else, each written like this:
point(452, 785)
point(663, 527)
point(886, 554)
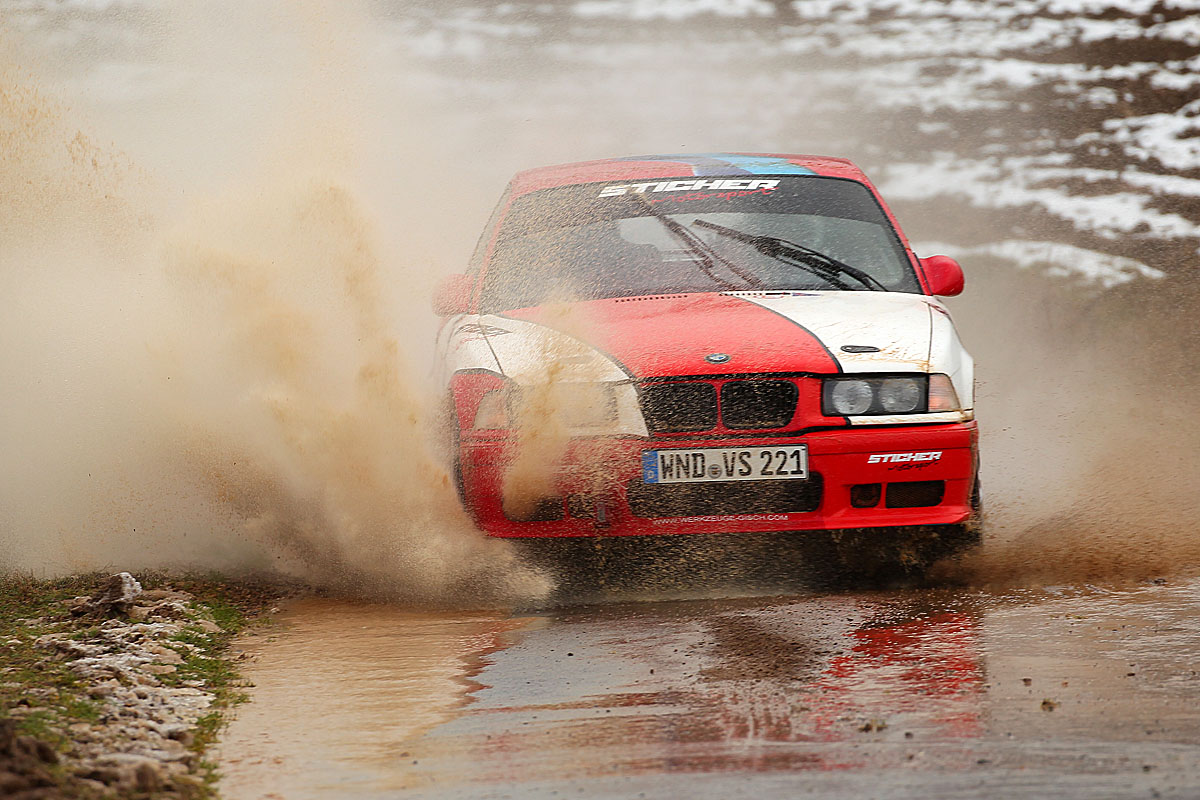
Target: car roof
point(683, 165)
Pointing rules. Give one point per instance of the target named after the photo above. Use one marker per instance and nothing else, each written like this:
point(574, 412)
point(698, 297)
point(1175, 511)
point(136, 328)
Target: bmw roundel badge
point(717, 358)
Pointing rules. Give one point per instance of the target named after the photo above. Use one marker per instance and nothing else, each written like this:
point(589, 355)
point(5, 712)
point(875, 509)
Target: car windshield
point(597, 240)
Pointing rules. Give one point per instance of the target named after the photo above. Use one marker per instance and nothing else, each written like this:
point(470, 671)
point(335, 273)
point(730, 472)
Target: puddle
point(338, 690)
point(1081, 690)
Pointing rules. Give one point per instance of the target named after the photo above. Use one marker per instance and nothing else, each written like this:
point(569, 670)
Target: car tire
point(881, 557)
point(454, 434)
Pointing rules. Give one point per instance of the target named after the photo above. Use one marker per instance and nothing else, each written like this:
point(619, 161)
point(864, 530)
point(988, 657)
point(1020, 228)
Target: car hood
point(716, 334)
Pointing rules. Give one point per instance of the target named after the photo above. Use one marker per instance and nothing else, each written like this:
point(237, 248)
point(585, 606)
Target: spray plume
point(219, 377)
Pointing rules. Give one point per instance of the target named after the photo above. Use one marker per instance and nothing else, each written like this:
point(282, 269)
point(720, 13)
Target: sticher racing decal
point(717, 186)
point(903, 458)
point(730, 163)
point(685, 198)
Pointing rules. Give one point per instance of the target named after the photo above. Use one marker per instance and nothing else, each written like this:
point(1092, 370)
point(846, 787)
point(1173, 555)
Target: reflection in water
point(930, 665)
point(935, 692)
point(340, 688)
point(712, 687)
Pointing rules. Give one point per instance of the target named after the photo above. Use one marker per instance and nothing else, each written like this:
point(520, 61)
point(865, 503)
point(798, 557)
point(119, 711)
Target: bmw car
point(684, 345)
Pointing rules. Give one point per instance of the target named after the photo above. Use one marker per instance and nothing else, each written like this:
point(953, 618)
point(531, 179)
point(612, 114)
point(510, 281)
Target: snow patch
point(1058, 259)
point(1171, 139)
point(672, 9)
point(1019, 182)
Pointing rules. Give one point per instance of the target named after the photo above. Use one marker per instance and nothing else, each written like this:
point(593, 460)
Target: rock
point(105, 689)
point(68, 647)
point(109, 776)
point(147, 777)
point(169, 609)
point(120, 591)
point(209, 627)
point(11, 783)
point(40, 750)
point(159, 669)
point(181, 734)
point(140, 613)
point(115, 597)
point(78, 606)
point(95, 787)
point(164, 655)
point(158, 595)
point(8, 735)
point(168, 751)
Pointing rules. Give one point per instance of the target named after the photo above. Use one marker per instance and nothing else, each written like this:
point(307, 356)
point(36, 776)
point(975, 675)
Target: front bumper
point(596, 488)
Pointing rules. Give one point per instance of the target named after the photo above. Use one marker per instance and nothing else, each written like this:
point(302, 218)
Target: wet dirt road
point(1080, 692)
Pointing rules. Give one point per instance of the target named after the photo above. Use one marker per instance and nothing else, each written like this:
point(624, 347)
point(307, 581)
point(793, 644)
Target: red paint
point(942, 276)
point(670, 335)
point(840, 456)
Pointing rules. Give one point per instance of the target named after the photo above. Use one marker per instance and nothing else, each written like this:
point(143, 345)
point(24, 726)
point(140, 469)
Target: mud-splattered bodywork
point(566, 411)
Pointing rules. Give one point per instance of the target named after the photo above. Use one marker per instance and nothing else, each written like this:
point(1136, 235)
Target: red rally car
point(703, 344)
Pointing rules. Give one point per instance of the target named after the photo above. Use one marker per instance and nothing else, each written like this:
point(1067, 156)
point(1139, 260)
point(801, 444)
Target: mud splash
point(558, 369)
point(1085, 405)
point(219, 378)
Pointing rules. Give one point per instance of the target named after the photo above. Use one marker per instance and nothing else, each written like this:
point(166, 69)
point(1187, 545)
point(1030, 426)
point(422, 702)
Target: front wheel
point(883, 556)
point(449, 422)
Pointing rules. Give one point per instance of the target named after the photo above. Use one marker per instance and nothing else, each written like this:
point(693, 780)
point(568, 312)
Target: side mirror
point(452, 295)
point(943, 275)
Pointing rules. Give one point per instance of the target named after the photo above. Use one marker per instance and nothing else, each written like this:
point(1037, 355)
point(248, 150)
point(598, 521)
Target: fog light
point(915, 494)
point(865, 495)
point(544, 509)
point(581, 506)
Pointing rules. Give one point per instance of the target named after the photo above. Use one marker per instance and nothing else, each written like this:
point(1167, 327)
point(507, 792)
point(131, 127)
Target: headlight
point(579, 407)
point(868, 395)
point(849, 397)
point(900, 395)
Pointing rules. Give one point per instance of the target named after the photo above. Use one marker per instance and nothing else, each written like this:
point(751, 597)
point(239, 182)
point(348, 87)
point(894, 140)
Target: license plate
point(725, 464)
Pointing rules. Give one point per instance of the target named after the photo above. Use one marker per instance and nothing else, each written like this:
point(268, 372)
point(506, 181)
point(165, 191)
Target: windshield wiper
point(700, 249)
point(820, 264)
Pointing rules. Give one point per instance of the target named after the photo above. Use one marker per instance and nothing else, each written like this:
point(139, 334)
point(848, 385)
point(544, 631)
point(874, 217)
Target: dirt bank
point(112, 686)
